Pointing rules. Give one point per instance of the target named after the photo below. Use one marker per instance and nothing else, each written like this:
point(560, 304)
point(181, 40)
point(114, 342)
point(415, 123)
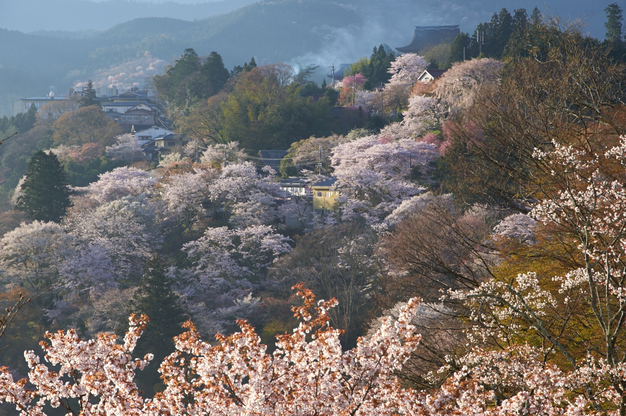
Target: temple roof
point(430, 35)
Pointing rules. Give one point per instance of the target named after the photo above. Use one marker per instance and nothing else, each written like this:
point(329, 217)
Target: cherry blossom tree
point(583, 200)
point(101, 373)
point(184, 193)
point(453, 92)
point(520, 227)
point(423, 114)
point(245, 196)
point(305, 155)
point(126, 149)
point(374, 174)
point(114, 240)
point(308, 373)
point(236, 193)
point(406, 69)
point(221, 154)
point(32, 255)
point(369, 101)
point(171, 159)
point(239, 253)
point(121, 182)
point(349, 86)
point(458, 86)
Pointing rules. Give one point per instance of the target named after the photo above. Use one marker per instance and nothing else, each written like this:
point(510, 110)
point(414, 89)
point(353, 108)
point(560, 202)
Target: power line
point(8, 137)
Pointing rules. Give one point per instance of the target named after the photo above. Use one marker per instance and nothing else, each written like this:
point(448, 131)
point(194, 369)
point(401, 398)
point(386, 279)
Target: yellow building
point(325, 196)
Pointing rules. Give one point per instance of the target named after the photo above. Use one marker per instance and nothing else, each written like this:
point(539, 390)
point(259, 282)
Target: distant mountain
point(77, 15)
point(320, 32)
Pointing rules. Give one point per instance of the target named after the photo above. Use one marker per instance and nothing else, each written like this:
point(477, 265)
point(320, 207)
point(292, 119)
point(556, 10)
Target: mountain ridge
point(298, 32)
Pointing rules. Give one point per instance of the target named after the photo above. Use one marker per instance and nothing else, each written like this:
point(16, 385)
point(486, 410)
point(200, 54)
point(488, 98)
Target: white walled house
point(144, 136)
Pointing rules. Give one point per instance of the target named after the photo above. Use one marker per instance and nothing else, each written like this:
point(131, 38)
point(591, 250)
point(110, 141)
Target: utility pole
point(382, 94)
point(319, 164)
point(333, 69)
point(480, 38)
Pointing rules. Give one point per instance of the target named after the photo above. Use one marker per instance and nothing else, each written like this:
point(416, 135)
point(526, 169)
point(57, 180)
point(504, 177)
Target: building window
point(319, 193)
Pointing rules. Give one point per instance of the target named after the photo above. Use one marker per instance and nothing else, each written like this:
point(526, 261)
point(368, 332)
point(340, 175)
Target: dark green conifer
point(45, 193)
point(89, 96)
point(156, 298)
point(249, 66)
point(215, 75)
point(613, 23)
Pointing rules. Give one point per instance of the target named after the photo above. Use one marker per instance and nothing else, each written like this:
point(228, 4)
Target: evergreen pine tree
point(215, 74)
point(45, 193)
point(613, 23)
point(247, 67)
point(536, 18)
point(460, 45)
point(89, 96)
point(156, 298)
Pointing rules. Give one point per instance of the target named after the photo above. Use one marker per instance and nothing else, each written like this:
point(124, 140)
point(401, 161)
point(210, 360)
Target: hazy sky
point(84, 15)
point(166, 1)
point(33, 15)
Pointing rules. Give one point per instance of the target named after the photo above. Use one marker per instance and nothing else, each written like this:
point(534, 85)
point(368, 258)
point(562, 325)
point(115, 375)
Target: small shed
point(325, 195)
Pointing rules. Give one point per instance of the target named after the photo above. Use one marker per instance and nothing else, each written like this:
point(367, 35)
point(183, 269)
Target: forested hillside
point(455, 247)
point(297, 32)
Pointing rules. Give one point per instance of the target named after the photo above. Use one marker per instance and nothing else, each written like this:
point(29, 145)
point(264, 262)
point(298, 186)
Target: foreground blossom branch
point(97, 375)
point(307, 374)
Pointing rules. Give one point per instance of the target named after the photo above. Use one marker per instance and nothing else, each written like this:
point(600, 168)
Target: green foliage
point(175, 85)
point(215, 75)
point(82, 174)
point(438, 56)
point(614, 32)
point(373, 69)
point(19, 123)
point(613, 23)
point(503, 36)
point(497, 34)
point(154, 297)
point(15, 154)
point(267, 111)
point(89, 96)
point(85, 125)
point(190, 81)
point(460, 47)
point(247, 67)
point(45, 191)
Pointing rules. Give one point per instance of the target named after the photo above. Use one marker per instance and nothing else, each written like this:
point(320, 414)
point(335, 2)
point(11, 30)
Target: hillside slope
point(320, 32)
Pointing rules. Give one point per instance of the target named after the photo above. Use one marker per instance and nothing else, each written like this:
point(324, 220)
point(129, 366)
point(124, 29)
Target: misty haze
point(312, 207)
